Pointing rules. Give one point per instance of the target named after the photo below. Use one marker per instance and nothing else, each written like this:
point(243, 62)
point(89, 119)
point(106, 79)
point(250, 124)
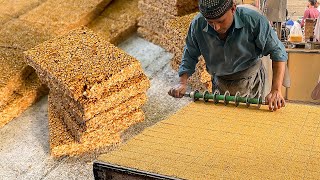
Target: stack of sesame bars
point(177, 30)
point(60, 16)
point(19, 85)
point(166, 23)
point(25, 24)
point(118, 21)
point(156, 13)
point(96, 91)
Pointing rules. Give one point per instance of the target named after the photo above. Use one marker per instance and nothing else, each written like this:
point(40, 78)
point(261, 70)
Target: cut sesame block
point(177, 29)
point(62, 142)
point(107, 120)
point(175, 7)
point(118, 21)
point(15, 83)
point(122, 10)
point(23, 35)
point(152, 23)
point(156, 12)
point(26, 95)
point(154, 37)
point(115, 127)
point(11, 62)
point(88, 109)
point(4, 19)
point(15, 8)
point(177, 32)
point(112, 30)
point(66, 14)
point(82, 64)
point(14, 72)
point(200, 79)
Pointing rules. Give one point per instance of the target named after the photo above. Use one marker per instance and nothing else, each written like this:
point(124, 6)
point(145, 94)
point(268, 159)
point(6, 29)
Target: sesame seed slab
point(82, 63)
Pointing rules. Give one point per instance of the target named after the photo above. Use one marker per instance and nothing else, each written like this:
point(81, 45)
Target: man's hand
point(275, 100)
point(179, 90)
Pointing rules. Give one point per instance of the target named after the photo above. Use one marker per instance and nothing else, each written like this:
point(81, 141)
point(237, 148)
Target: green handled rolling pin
point(226, 98)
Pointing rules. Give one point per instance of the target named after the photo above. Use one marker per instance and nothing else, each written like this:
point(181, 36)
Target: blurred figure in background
point(311, 12)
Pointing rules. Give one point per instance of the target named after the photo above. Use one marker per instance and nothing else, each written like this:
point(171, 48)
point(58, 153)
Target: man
point(232, 40)
point(311, 12)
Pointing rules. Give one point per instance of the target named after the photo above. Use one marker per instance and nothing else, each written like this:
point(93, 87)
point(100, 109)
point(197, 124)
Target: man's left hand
point(275, 100)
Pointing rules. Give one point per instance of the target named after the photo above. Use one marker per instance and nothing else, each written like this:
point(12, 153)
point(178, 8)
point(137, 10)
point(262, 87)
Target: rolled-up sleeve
point(190, 55)
point(268, 41)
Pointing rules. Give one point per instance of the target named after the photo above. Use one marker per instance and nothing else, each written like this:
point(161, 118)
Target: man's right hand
point(178, 91)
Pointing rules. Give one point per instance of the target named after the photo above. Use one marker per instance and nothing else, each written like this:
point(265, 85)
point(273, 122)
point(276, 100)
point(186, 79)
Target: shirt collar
point(238, 23)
